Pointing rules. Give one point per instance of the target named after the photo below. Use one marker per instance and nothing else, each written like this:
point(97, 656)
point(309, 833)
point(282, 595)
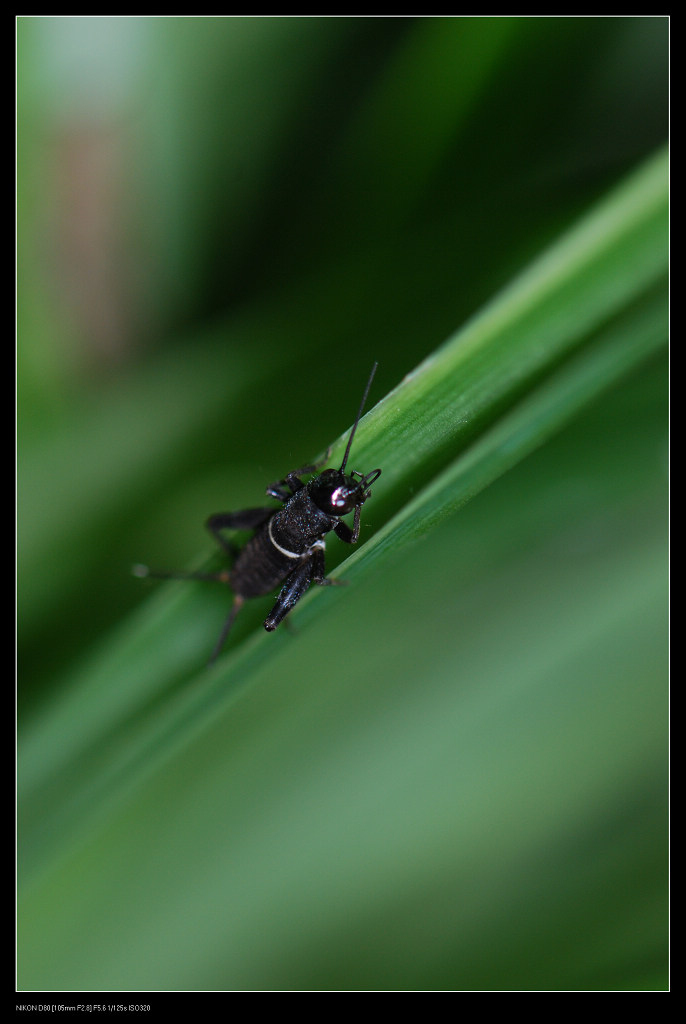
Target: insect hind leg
point(248, 519)
point(226, 628)
point(145, 572)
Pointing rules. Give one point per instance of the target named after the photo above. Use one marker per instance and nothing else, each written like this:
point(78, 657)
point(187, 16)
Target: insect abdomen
point(260, 566)
point(278, 546)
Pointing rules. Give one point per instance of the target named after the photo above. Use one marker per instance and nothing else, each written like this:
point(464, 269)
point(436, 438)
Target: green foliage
point(451, 775)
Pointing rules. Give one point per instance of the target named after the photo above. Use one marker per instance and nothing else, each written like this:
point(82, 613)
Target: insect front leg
point(297, 584)
point(343, 531)
point(311, 570)
point(248, 519)
point(291, 483)
point(319, 568)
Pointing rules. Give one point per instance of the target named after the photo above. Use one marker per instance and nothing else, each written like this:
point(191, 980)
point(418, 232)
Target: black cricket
point(289, 542)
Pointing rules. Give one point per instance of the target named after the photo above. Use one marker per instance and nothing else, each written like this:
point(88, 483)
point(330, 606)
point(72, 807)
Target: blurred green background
point(452, 775)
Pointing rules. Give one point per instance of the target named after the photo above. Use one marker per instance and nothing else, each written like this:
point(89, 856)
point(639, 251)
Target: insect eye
point(334, 496)
point(336, 500)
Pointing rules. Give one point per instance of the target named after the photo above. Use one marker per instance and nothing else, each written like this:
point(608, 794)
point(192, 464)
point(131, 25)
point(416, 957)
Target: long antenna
point(358, 417)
